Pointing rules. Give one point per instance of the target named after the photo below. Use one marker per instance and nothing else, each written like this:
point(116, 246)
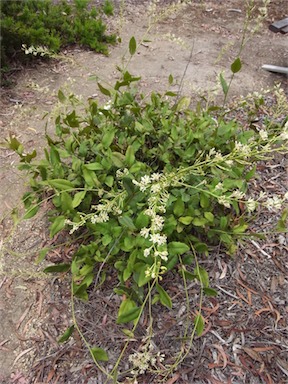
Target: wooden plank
point(279, 26)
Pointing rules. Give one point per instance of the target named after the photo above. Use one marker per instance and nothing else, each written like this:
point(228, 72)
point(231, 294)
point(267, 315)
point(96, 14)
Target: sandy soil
point(208, 35)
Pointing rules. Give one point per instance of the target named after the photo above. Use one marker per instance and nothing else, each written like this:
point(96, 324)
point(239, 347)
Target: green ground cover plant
point(145, 185)
point(43, 27)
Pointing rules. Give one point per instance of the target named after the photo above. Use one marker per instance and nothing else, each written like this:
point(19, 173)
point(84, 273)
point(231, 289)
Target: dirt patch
point(247, 321)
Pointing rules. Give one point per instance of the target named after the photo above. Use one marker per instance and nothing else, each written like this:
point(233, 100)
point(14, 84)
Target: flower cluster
point(157, 185)
point(40, 50)
point(145, 358)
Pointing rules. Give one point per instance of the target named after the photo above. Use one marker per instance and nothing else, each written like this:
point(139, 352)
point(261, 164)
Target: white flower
point(218, 156)
point(219, 186)
point(229, 162)
point(162, 254)
point(251, 205)
point(156, 176)
point(243, 149)
point(262, 195)
point(237, 194)
point(263, 134)
point(147, 252)
point(223, 200)
point(145, 232)
point(156, 238)
point(273, 203)
point(156, 188)
point(157, 223)
point(285, 197)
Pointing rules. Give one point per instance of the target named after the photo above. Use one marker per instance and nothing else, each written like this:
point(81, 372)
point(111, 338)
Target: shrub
point(147, 185)
point(42, 23)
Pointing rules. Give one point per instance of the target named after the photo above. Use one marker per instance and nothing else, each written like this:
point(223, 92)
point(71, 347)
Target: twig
point(227, 293)
point(260, 249)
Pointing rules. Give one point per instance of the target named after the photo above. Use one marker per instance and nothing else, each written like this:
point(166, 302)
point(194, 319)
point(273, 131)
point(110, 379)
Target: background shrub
point(42, 23)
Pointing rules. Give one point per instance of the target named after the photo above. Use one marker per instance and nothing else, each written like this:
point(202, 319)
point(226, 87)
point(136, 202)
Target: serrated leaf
point(57, 225)
point(99, 354)
point(66, 334)
point(57, 268)
point(199, 324)
point(164, 297)
point(103, 90)
point(236, 65)
point(132, 46)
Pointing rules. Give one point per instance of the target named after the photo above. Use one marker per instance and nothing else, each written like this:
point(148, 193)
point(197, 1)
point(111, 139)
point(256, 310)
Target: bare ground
point(246, 325)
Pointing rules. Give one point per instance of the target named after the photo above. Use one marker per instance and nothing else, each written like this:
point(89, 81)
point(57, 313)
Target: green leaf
point(31, 212)
point(132, 46)
point(240, 228)
point(164, 297)
point(60, 184)
point(128, 311)
point(209, 216)
point(210, 291)
point(177, 248)
point(61, 96)
point(170, 79)
point(57, 225)
point(57, 268)
point(126, 221)
point(99, 354)
point(108, 138)
point(103, 90)
point(183, 103)
point(186, 220)
point(199, 324)
point(94, 166)
point(128, 333)
point(202, 276)
point(66, 334)
point(199, 221)
point(130, 156)
point(236, 65)
point(66, 202)
point(78, 198)
point(42, 255)
point(224, 84)
point(118, 159)
point(141, 221)
point(179, 207)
